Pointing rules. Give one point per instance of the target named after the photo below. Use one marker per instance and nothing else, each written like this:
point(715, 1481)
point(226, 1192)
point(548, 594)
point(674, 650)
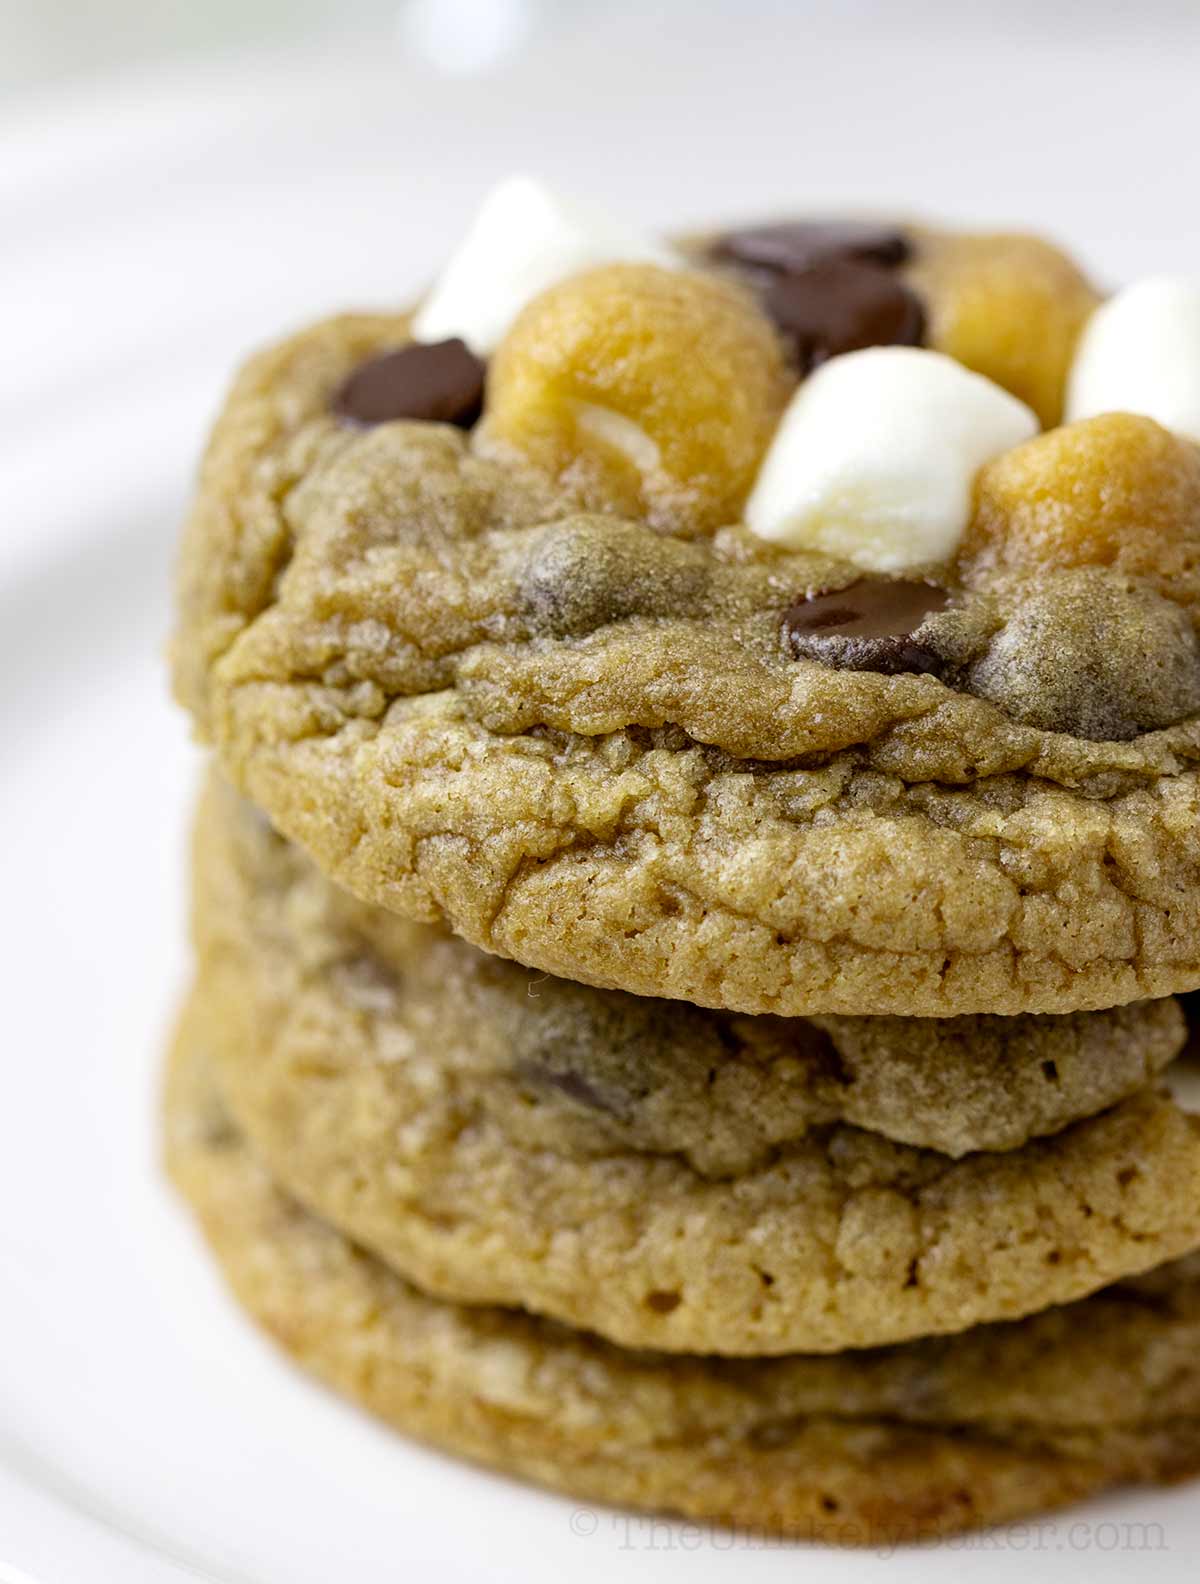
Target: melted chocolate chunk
point(875, 624)
point(842, 306)
point(830, 286)
point(440, 382)
point(793, 246)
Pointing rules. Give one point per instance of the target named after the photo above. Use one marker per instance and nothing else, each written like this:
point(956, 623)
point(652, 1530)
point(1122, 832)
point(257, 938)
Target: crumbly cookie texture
point(585, 1072)
point(417, 1129)
point(479, 691)
point(898, 1444)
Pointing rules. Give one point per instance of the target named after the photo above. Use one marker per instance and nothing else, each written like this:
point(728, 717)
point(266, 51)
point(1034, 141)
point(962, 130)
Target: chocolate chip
point(440, 382)
point(842, 306)
point(830, 286)
point(875, 624)
point(1094, 655)
point(585, 572)
point(793, 246)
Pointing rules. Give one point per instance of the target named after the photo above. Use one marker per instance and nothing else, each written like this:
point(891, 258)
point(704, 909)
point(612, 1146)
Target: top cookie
point(706, 647)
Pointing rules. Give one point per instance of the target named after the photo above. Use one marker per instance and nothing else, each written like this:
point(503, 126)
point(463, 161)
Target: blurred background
point(180, 180)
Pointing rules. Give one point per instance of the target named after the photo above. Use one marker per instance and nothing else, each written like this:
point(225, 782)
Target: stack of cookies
point(702, 846)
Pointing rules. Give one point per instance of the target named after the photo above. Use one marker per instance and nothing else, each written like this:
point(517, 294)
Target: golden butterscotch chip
point(1115, 491)
point(648, 391)
point(1010, 307)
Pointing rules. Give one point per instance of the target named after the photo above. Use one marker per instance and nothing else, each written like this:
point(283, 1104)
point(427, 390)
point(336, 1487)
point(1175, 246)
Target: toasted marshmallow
point(1140, 353)
point(523, 240)
point(874, 457)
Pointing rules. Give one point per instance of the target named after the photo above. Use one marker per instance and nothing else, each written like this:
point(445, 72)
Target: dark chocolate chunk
point(875, 624)
point(842, 306)
point(440, 382)
point(870, 608)
point(793, 246)
point(830, 286)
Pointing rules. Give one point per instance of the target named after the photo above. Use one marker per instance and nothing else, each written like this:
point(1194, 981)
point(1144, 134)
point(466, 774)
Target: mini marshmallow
point(1140, 353)
point(523, 240)
point(875, 455)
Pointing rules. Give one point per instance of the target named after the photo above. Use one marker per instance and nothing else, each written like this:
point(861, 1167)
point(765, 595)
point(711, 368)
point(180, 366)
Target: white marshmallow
point(1140, 353)
point(875, 454)
point(523, 240)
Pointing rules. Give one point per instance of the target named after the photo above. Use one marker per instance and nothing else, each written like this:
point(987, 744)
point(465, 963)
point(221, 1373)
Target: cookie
point(1009, 306)
point(408, 1100)
point(898, 1444)
point(610, 1070)
point(556, 677)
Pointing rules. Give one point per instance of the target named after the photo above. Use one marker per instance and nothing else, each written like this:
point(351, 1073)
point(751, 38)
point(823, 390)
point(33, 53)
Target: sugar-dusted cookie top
point(737, 622)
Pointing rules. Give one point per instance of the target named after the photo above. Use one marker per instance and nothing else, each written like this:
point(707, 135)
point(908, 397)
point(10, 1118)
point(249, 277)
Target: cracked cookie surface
point(664, 1176)
point(903, 1443)
point(582, 743)
point(610, 1070)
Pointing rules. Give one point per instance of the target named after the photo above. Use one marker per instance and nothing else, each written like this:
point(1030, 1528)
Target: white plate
point(146, 1433)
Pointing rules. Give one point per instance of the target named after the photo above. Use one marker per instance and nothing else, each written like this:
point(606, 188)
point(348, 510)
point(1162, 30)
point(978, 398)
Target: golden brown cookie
point(586, 1070)
point(488, 680)
point(892, 1445)
point(495, 1148)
